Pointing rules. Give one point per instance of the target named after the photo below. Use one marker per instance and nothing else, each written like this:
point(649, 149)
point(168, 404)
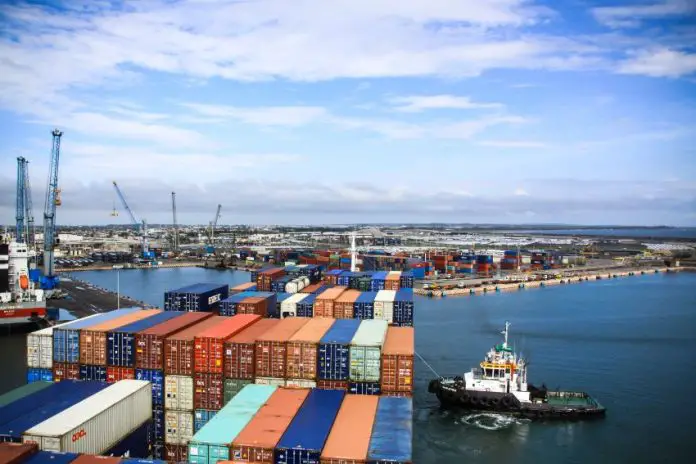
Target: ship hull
point(558, 407)
point(23, 316)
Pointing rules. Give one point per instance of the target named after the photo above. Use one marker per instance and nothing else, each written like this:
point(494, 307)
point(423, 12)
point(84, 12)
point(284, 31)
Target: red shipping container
point(240, 350)
point(208, 391)
point(271, 347)
point(397, 360)
point(253, 305)
point(303, 349)
point(66, 371)
point(149, 344)
point(397, 394)
point(324, 302)
point(179, 348)
point(264, 278)
point(209, 345)
point(114, 374)
point(332, 384)
point(15, 453)
point(343, 305)
point(311, 288)
point(175, 453)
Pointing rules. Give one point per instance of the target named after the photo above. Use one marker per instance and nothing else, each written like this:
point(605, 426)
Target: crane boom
point(52, 200)
point(21, 196)
point(138, 226)
point(213, 225)
point(176, 227)
point(29, 207)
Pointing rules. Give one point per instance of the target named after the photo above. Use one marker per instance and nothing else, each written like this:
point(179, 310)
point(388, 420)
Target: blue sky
point(305, 111)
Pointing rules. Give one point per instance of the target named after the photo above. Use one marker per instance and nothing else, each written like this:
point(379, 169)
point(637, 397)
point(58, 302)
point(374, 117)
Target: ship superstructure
point(20, 301)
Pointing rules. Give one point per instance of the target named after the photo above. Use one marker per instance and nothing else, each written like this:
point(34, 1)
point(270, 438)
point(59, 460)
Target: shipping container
point(306, 435)
point(265, 278)
point(343, 305)
point(305, 307)
point(203, 297)
point(21, 392)
point(392, 281)
point(66, 371)
point(245, 287)
point(378, 281)
point(149, 353)
point(120, 342)
point(274, 381)
point(158, 424)
point(93, 340)
point(15, 453)
point(39, 375)
point(90, 372)
point(365, 351)
point(114, 374)
point(288, 308)
point(298, 383)
point(392, 436)
point(89, 459)
point(397, 360)
point(33, 409)
point(256, 442)
point(66, 338)
point(175, 453)
point(136, 443)
point(179, 348)
point(334, 350)
point(178, 392)
point(332, 385)
point(212, 443)
point(210, 344)
point(228, 306)
point(406, 279)
point(403, 307)
point(240, 350)
point(271, 347)
point(202, 417)
point(142, 461)
point(178, 427)
point(303, 349)
point(364, 388)
point(349, 439)
point(364, 306)
point(156, 378)
point(234, 386)
point(384, 305)
point(48, 457)
point(324, 302)
point(97, 423)
point(208, 391)
point(280, 297)
point(260, 303)
point(40, 345)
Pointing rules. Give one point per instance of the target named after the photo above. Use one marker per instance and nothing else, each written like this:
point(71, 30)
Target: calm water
point(677, 232)
point(629, 342)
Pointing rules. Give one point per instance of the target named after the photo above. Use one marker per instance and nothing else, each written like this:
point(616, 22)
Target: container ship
point(21, 304)
point(500, 385)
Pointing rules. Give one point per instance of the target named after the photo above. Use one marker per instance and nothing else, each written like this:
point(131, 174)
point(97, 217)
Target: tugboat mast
point(505, 332)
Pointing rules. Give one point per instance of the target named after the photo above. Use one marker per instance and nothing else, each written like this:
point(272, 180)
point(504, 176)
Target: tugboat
point(500, 385)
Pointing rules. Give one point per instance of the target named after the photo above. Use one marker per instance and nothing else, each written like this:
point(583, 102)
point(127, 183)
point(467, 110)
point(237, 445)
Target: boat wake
point(492, 421)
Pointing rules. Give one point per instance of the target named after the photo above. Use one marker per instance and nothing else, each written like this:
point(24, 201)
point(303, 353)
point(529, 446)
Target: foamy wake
point(491, 421)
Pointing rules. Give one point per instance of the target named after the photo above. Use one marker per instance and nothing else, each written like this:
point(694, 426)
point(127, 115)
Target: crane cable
point(428, 365)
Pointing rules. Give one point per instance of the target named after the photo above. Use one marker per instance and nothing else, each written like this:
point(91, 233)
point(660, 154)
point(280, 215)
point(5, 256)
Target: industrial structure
point(140, 227)
point(49, 279)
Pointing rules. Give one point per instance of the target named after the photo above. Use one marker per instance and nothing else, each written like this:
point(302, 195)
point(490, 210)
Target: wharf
point(83, 299)
point(110, 267)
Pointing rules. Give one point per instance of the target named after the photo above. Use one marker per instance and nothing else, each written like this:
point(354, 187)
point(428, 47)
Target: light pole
point(118, 289)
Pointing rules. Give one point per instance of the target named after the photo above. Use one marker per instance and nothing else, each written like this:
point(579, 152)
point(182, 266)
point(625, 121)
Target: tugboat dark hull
point(553, 405)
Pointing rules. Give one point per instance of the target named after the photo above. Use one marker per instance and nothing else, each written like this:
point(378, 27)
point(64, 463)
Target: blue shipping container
point(197, 297)
point(157, 431)
point(66, 338)
point(120, 342)
point(17, 408)
point(228, 306)
point(50, 457)
point(334, 351)
point(364, 306)
point(306, 435)
point(137, 443)
point(305, 307)
point(364, 388)
point(34, 374)
point(90, 372)
point(143, 461)
point(418, 273)
point(403, 306)
point(65, 394)
point(392, 432)
point(201, 417)
point(156, 377)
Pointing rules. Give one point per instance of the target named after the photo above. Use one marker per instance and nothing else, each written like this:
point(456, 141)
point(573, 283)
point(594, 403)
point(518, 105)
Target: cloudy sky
point(311, 111)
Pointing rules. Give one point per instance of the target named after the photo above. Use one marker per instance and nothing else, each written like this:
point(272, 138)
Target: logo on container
point(214, 298)
point(77, 435)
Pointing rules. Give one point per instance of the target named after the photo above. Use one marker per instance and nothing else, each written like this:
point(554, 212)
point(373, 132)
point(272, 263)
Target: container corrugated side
point(303, 349)
point(324, 302)
point(343, 305)
point(304, 439)
point(97, 423)
point(240, 350)
point(366, 350)
point(22, 392)
point(288, 308)
point(256, 442)
point(305, 307)
point(156, 378)
point(392, 433)
point(384, 305)
point(179, 348)
point(178, 427)
point(398, 359)
point(178, 392)
point(364, 306)
point(234, 386)
point(120, 342)
point(208, 391)
point(334, 350)
point(271, 347)
point(349, 439)
point(209, 345)
point(40, 345)
point(212, 443)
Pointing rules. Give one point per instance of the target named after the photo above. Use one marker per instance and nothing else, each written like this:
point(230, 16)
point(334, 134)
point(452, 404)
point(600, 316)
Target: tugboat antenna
point(505, 332)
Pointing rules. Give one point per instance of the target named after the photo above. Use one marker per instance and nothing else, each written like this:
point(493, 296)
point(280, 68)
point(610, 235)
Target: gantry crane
point(50, 281)
point(25, 208)
point(213, 225)
point(175, 238)
point(139, 227)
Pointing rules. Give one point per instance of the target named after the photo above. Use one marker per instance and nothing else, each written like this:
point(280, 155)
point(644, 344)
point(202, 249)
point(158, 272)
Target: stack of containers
point(306, 435)
point(279, 285)
point(280, 297)
point(265, 278)
point(406, 279)
point(228, 306)
point(349, 440)
point(209, 346)
point(121, 348)
point(364, 306)
point(397, 362)
point(297, 284)
point(302, 352)
point(21, 392)
point(331, 277)
point(365, 357)
point(245, 287)
point(484, 264)
point(260, 303)
point(258, 440)
point(403, 308)
point(213, 442)
point(334, 353)
point(384, 305)
point(378, 281)
point(240, 357)
point(392, 433)
point(271, 351)
point(343, 305)
point(178, 389)
point(343, 279)
point(66, 343)
point(204, 297)
point(324, 302)
point(305, 306)
point(288, 308)
point(93, 344)
point(393, 280)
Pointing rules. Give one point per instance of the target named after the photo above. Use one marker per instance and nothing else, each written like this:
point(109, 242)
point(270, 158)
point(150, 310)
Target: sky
point(309, 112)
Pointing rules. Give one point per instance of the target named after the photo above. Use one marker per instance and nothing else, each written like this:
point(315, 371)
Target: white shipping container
point(270, 381)
point(40, 346)
point(178, 392)
point(288, 308)
point(97, 423)
point(178, 427)
point(384, 305)
point(296, 383)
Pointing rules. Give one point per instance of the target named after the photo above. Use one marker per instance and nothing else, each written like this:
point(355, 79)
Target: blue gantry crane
point(140, 227)
point(49, 281)
point(20, 234)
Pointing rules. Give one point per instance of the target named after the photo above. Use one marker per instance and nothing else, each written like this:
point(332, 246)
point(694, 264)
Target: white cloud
point(512, 144)
point(264, 116)
point(632, 15)
point(660, 62)
point(417, 103)
point(520, 192)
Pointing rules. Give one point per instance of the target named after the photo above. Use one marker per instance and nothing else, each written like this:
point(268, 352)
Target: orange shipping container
point(350, 435)
point(271, 347)
point(397, 360)
point(253, 305)
point(324, 302)
point(66, 371)
point(311, 288)
point(332, 384)
point(257, 441)
point(209, 345)
point(392, 281)
point(303, 349)
point(93, 340)
point(178, 348)
point(343, 306)
point(240, 350)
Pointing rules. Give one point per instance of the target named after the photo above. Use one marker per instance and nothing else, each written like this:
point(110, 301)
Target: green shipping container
point(366, 351)
point(212, 443)
point(234, 386)
point(20, 392)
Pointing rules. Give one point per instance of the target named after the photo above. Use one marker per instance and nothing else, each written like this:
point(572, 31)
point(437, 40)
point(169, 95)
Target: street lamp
point(118, 289)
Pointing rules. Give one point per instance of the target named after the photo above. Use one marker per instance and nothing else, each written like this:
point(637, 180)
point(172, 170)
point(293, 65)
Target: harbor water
point(628, 341)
